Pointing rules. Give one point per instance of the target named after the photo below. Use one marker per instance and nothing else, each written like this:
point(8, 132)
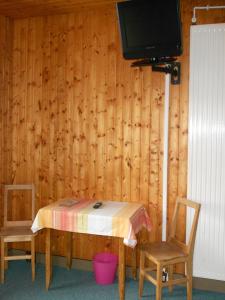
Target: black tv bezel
point(160, 50)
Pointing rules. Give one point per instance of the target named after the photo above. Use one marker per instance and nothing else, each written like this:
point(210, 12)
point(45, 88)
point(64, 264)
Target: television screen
point(150, 28)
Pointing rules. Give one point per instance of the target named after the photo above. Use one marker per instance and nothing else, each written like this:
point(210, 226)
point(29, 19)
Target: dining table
point(122, 220)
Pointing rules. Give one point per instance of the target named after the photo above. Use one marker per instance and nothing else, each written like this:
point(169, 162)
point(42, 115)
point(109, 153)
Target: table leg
point(48, 262)
point(134, 259)
point(69, 249)
point(134, 263)
point(121, 270)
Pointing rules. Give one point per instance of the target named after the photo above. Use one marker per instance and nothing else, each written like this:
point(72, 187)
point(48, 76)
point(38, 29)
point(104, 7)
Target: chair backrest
point(21, 187)
point(188, 247)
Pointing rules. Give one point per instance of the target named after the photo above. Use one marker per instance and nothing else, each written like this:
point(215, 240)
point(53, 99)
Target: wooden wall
point(85, 124)
point(5, 103)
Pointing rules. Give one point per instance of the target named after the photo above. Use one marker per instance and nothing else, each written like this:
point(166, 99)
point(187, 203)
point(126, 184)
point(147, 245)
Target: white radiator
point(206, 147)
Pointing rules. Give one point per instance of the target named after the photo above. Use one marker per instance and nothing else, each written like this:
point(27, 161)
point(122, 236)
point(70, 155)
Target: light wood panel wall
point(34, 8)
point(85, 124)
point(5, 108)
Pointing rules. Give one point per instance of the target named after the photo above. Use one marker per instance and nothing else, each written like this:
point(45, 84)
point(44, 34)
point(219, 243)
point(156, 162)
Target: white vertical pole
point(165, 155)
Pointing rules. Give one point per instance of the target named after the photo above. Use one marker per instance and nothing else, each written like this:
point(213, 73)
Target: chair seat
point(163, 251)
point(16, 231)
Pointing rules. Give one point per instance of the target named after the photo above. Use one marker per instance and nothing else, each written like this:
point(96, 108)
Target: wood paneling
point(5, 105)
point(85, 124)
point(81, 116)
point(31, 8)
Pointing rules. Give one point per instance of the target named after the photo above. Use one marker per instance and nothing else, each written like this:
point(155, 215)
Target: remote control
point(97, 205)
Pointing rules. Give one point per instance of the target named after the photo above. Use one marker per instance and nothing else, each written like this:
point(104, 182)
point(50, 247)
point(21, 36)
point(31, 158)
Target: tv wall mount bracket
point(168, 66)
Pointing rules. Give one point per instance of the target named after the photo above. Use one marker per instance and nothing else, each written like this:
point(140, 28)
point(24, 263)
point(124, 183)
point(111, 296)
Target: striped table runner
point(119, 219)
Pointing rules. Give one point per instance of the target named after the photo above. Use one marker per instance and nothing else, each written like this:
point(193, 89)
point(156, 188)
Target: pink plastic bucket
point(105, 265)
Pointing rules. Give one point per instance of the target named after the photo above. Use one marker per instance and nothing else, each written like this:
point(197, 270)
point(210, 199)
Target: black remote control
point(97, 205)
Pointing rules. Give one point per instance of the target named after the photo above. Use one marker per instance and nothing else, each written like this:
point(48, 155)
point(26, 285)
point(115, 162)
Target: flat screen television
point(150, 28)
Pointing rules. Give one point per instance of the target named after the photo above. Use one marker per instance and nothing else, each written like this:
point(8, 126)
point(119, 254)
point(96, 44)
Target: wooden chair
point(17, 231)
point(167, 254)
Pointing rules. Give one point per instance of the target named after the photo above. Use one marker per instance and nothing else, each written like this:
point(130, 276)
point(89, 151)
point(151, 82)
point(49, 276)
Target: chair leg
point(2, 260)
point(159, 282)
point(189, 279)
point(170, 274)
point(6, 263)
point(33, 258)
point(141, 275)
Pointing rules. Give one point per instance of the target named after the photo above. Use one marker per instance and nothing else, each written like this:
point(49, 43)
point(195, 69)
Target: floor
point(76, 284)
